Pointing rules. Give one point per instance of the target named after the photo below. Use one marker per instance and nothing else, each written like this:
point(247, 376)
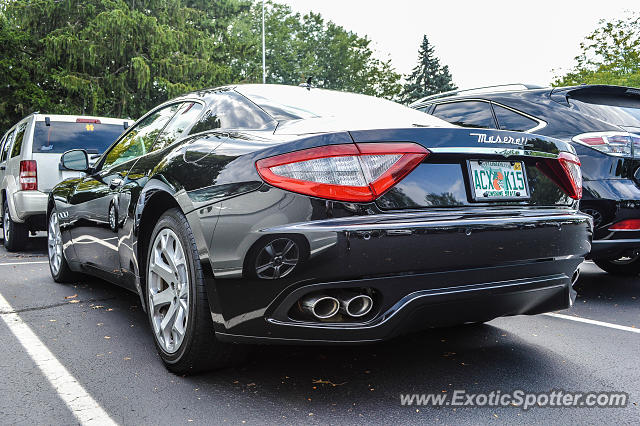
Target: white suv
point(29, 165)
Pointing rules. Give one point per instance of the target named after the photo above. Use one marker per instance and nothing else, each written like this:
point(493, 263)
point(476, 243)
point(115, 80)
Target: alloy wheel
point(54, 243)
point(6, 224)
point(277, 259)
point(168, 295)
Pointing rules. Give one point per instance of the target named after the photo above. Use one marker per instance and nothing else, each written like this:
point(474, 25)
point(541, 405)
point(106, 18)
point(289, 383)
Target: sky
point(483, 42)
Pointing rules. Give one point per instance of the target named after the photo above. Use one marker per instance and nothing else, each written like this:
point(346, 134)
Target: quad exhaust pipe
point(322, 306)
point(355, 305)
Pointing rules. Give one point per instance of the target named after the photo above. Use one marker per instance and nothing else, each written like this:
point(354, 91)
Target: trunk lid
point(474, 167)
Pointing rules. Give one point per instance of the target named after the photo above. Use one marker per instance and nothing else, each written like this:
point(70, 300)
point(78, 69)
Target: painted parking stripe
point(594, 322)
point(77, 399)
point(23, 263)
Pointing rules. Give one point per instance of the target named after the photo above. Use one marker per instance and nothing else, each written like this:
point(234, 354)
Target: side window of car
point(511, 120)
point(184, 118)
point(19, 136)
point(231, 110)
point(139, 140)
point(466, 114)
point(7, 146)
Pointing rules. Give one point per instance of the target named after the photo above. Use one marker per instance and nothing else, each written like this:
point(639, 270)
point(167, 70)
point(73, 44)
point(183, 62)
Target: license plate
point(498, 180)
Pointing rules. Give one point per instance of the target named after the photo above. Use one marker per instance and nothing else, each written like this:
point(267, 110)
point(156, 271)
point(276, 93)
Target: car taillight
point(351, 172)
point(565, 172)
point(619, 144)
point(626, 225)
point(28, 175)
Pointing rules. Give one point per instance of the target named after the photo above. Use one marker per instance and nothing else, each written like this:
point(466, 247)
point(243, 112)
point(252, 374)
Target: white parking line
point(81, 404)
point(23, 263)
point(594, 322)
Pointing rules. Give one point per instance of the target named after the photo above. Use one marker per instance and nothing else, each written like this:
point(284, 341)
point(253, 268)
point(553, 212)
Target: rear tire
point(180, 318)
point(623, 266)
point(60, 271)
point(15, 234)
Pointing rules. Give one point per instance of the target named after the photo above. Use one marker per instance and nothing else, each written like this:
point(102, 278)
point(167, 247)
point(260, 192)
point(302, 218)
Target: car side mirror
point(75, 160)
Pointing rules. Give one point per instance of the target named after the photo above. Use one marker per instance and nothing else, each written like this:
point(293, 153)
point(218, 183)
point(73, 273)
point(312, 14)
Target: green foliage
point(428, 77)
point(110, 57)
point(610, 55)
point(298, 47)
point(122, 57)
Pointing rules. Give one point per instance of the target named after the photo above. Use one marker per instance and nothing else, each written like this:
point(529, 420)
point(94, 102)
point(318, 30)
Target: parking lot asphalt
point(100, 335)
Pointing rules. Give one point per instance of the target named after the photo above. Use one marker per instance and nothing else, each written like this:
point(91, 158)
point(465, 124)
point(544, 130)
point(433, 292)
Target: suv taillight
point(352, 172)
point(565, 172)
point(619, 144)
point(28, 175)
point(626, 225)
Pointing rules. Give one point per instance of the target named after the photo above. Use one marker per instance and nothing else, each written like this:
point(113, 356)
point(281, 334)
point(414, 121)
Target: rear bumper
point(27, 204)
point(417, 308)
point(424, 269)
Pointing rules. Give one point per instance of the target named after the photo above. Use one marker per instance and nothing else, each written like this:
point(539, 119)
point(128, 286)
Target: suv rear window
point(62, 136)
point(619, 110)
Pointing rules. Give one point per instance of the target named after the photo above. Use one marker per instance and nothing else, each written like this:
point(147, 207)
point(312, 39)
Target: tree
point(111, 57)
point(428, 77)
point(610, 55)
point(299, 47)
point(122, 57)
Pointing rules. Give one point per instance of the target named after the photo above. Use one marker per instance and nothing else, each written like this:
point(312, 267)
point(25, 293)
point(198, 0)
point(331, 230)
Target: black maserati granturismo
point(280, 214)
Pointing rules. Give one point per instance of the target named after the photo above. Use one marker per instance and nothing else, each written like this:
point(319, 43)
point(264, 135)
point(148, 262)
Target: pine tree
point(428, 77)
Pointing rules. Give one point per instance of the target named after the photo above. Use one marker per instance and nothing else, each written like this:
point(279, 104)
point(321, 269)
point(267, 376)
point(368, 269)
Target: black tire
point(64, 274)
point(199, 350)
point(626, 268)
point(15, 234)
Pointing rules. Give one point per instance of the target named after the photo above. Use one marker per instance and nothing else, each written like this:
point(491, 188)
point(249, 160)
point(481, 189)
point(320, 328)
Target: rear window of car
point(62, 136)
point(619, 110)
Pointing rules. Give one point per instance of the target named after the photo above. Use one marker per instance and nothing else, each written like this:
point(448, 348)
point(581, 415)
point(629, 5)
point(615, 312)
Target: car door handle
point(115, 182)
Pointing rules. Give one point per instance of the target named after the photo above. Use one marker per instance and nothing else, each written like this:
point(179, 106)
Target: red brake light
point(88, 120)
point(351, 172)
point(28, 175)
point(565, 172)
point(626, 225)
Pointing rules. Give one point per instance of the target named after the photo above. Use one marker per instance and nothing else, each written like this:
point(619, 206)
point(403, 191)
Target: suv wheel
point(15, 234)
point(626, 266)
point(177, 303)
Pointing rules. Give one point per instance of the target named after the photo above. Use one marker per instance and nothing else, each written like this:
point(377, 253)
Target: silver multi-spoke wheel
point(168, 278)
point(54, 243)
point(6, 225)
point(277, 259)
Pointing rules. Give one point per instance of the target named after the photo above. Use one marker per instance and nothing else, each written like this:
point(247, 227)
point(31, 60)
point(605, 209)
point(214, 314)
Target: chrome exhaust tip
point(356, 306)
point(320, 306)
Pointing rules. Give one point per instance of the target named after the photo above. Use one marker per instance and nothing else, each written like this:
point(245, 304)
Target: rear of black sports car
point(357, 236)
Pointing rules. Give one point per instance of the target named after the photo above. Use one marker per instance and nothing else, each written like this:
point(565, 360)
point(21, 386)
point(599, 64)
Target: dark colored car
point(278, 214)
point(602, 123)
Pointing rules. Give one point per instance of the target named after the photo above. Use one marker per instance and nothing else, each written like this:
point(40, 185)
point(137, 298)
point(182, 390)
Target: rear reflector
point(28, 175)
point(626, 225)
point(351, 172)
point(565, 172)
